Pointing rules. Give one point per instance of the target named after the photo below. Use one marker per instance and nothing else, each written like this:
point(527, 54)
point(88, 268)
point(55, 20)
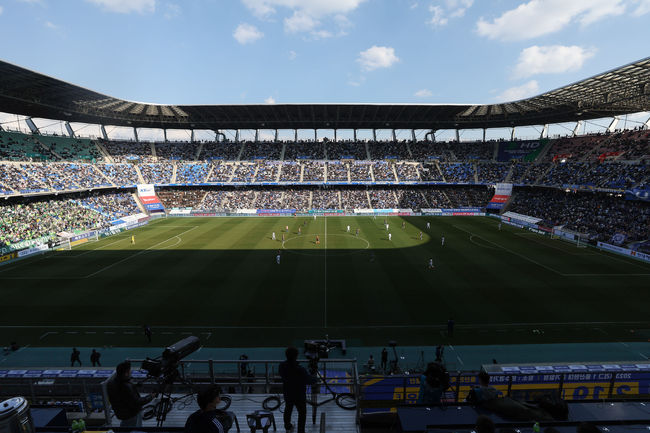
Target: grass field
point(218, 278)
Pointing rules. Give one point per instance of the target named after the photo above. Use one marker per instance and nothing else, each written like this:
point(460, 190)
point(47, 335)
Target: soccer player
point(348, 229)
point(286, 229)
point(431, 264)
point(386, 226)
point(317, 240)
point(420, 235)
point(282, 237)
point(299, 231)
point(428, 225)
point(442, 241)
point(499, 226)
point(132, 239)
point(357, 232)
point(403, 224)
point(390, 236)
point(277, 259)
point(273, 235)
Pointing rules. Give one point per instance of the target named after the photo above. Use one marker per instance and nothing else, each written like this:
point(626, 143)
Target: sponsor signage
point(34, 250)
point(625, 251)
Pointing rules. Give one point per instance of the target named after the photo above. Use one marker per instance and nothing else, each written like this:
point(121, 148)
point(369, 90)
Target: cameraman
point(294, 387)
point(125, 398)
point(209, 419)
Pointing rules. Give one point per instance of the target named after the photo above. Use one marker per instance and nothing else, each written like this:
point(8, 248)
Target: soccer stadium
point(378, 266)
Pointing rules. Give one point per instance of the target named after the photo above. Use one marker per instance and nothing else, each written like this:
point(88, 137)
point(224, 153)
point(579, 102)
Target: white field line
point(550, 268)
point(510, 251)
point(138, 253)
point(205, 328)
point(325, 279)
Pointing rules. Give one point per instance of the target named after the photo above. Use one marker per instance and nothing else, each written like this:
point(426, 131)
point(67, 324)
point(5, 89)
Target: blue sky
point(252, 51)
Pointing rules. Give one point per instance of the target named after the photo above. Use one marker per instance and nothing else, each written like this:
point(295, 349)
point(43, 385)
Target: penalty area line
point(138, 253)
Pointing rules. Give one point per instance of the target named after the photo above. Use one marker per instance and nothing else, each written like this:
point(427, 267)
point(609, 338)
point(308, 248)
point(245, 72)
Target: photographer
point(209, 419)
point(294, 387)
point(125, 398)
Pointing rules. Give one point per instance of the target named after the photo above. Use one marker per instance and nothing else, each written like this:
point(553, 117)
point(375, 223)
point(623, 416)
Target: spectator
point(294, 387)
point(94, 358)
point(124, 397)
point(74, 357)
point(209, 419)
point(433, 383)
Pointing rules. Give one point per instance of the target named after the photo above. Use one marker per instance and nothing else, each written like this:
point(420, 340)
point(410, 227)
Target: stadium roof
point(619, 91)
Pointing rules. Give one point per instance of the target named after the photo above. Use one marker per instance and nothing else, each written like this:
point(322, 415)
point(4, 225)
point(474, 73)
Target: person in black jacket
point(94, 358)
point(125, 398)
point(209, 419)
point(294, 387)
point(74, 357)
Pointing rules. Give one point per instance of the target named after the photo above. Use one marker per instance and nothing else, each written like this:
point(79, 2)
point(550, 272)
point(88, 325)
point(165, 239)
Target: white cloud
point(307, 16)
point(423, 93)
point(457, 8)
point(0, 10)
point(126, 6)
point(413, 6)
point(642, 8)
point(269, 100)
point(292, 55)
point(552, 59)
point(438, 16)
point(246, 34)
point(541, 17)
point(520, 92)
point(173, 10)
point(300, 22)
point(444, 10)
point(377, 57)
point(51, 25)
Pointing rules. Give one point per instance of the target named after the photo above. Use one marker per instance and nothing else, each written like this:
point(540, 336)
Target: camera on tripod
point(165, 367)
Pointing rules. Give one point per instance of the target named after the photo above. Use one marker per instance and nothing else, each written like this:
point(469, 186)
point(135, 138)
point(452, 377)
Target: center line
point(325, 271)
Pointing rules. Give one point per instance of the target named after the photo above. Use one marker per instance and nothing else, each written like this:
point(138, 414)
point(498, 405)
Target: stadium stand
point(610, 163)
point(47, 216)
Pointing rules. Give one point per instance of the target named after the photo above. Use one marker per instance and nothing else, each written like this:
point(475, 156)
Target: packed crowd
point(325, 199)
point(123, 151)
point(244, 172)
point(176, 198)
point(192, 172)
point(460, 172)
point(360, 171)
point(304, 150)
point(120, 174)
point(492, 172)
point(313, 171)
point(112, 206)
point(177, 151)
point(383, 171)
point(156, 173)
point(407, 172)
point(267, 172)
point(596, 214)
point(337, 172)
point(48, 216)
point(221, 172)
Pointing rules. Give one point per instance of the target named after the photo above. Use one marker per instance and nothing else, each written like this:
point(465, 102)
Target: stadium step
point(101, 173)
point(544, 151)
point(174, 172)
point(137, 170)
point(241, 151)
point(198, 151)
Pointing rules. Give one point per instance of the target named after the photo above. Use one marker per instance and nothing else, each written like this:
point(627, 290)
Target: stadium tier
point(304, 176)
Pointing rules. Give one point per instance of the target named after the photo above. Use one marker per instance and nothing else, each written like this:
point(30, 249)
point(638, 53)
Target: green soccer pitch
point(218, 278)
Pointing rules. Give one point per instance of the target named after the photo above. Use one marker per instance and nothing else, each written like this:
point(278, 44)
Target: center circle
point(306, 245)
